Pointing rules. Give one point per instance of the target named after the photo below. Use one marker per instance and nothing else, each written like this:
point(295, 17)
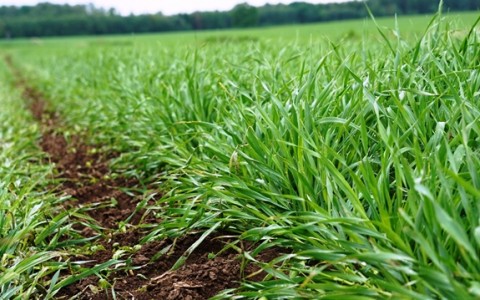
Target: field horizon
point(413, 24)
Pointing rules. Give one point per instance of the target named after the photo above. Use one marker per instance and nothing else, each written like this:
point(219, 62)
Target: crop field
point(324, 161)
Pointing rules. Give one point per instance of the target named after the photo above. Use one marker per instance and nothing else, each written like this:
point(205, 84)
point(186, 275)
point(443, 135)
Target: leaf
point(190, 250)
point(454, 229)
point(95, 270)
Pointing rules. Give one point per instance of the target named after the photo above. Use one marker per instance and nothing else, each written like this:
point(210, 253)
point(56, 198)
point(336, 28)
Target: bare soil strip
point(86, 177)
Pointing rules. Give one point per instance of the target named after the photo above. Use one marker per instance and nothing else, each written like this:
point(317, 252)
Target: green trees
point(244, 15)
point(59, 20)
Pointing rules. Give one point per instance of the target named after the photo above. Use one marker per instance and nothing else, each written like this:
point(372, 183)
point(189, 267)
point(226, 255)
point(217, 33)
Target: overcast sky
point(168, 7)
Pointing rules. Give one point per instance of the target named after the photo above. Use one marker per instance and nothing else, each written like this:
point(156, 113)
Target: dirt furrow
point(86, 177)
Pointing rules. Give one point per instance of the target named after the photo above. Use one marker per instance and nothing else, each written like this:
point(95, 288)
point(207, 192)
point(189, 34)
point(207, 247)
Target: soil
point(203, 275)
point(86, 177)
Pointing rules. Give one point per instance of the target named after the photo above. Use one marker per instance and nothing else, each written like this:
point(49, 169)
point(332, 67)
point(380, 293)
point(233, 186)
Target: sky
point(167, 7)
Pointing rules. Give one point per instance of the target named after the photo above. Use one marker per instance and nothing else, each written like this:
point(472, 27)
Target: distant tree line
point(47, 19)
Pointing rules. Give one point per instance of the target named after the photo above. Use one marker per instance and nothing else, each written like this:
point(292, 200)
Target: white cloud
point(167, 7)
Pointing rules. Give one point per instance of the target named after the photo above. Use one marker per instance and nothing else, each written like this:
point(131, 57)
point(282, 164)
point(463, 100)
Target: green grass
point(29, 229)
point(358, 153)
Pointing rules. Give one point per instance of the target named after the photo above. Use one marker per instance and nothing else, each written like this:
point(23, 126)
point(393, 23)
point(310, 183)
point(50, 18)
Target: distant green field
point(355, 149)
point(335, 31)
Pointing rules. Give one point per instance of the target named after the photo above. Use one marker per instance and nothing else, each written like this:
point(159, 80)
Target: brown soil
point(86, 177)
point(203, 275)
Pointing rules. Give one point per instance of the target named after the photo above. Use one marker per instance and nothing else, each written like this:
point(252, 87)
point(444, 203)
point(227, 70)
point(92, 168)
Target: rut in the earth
point(86, 177)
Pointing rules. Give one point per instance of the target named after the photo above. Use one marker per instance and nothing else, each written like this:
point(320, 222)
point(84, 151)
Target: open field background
point(348, 150)
point(410, 26)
